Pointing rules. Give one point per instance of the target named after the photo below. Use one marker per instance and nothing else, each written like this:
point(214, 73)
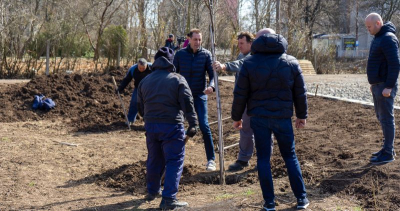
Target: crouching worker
point(137, 72)
point(164, 98)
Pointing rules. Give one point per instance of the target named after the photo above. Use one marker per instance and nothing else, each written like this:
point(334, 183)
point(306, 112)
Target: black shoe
point(302, 203)
point(151, 197)
point(382, 158)
point(170, 204)
point(269, 206)
point(375, 154)
point(238, 165)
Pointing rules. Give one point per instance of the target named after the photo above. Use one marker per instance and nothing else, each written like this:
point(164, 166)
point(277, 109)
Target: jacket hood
point(269, 43)
point(163, 63)
point(387, 27)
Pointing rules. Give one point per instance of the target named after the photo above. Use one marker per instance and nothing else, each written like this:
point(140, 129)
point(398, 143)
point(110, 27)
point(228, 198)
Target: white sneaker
point(211, 166)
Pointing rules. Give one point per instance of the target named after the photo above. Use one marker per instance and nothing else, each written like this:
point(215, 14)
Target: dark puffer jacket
point(270, 82)
point(383, 61)
point(165, 97)
point(193, 66)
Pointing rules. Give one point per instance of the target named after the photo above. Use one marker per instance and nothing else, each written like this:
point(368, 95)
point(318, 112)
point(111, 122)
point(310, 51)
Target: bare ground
point(80, 156)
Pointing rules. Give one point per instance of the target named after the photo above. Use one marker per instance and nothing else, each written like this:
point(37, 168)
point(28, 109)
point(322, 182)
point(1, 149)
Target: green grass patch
point(229, 195)
point(225, 196)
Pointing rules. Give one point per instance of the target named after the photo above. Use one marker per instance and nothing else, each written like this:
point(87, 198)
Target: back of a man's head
point(265, 31)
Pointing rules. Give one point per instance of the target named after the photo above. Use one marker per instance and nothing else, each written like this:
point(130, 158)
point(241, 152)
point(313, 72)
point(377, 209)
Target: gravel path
point(348, 86)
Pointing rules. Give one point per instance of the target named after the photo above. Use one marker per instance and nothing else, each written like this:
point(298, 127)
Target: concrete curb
point(331, 97)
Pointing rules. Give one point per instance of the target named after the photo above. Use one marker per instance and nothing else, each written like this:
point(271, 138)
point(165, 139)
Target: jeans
point(385, 113)
point(200, 105)
point(246, 142)
point(166, 150)
point(283, 131)
point(133, 111)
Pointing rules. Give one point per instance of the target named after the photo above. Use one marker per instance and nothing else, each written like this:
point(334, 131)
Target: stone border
point(332, 97)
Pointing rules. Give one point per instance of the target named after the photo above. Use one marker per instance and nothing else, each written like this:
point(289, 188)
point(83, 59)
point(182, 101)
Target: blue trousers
point(166, 149)
point(200, 105)
point(385, 113)
point(133, 111)
point(283, 131)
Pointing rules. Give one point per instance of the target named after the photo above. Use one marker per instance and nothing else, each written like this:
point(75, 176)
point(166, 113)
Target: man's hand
point(218, 67)
point(386, 92)
point(300, 123)
point(192, 130)
point(237, 124)
point(208, 90)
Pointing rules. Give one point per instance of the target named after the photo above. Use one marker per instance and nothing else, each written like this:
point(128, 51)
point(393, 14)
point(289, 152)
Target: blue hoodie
point(383, 61)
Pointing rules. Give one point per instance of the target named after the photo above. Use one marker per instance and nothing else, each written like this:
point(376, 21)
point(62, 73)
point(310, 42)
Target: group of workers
point(269, 89)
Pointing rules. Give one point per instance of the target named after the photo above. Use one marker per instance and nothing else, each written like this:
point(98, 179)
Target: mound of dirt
point(85, 102)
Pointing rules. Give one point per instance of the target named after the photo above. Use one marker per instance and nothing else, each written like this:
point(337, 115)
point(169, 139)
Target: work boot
point(170, 204)
point(238, 165)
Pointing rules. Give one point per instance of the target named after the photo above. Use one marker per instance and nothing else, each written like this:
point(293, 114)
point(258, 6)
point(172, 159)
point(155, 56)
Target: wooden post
point(220, 128)
point(47, 57)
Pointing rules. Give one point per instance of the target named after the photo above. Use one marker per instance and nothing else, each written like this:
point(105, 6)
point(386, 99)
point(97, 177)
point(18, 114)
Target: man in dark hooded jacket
point(382, 71)
point(164, 98)
point(270, 82)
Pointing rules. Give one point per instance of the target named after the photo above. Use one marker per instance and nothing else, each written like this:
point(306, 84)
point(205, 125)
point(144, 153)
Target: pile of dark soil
point(85, 102)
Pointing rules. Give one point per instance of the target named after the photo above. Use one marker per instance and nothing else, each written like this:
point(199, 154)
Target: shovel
point(122, 103)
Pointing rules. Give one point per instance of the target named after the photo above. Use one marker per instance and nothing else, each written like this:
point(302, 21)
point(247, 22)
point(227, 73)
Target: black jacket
point(170, 44)
point(270, 82)
point(383, 61)
point(194, 66)
point(136, 75)
point(165, 97)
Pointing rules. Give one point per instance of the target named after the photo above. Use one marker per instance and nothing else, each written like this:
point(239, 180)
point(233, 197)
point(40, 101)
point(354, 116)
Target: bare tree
point(96, 16)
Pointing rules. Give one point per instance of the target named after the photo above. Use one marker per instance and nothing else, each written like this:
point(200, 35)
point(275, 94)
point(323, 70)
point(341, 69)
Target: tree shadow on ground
point(115, 126)
point(128, 205)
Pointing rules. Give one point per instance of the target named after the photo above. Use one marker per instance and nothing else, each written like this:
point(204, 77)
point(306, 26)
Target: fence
point(340, 53)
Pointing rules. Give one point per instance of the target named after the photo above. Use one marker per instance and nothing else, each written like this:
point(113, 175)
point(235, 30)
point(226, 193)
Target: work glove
point(192, 130)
